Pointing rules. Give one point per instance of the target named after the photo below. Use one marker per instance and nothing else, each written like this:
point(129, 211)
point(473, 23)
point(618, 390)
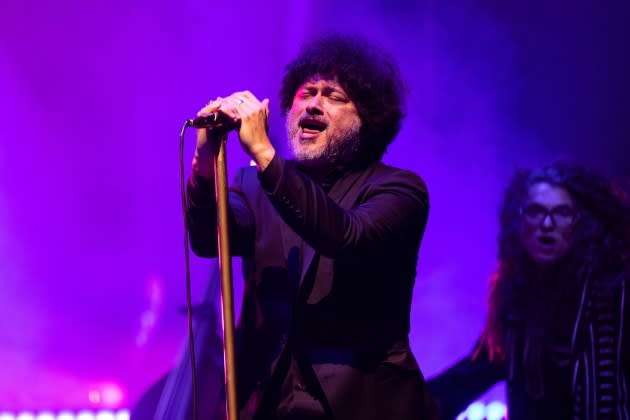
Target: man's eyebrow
point(334, 89)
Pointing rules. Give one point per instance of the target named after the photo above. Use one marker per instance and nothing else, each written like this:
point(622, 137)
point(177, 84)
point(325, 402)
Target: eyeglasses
point(561, 216)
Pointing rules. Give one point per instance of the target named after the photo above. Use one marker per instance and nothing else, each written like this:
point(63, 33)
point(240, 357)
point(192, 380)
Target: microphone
point(214, 121)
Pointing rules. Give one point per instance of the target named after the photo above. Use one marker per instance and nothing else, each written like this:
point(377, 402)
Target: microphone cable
point(191, 339)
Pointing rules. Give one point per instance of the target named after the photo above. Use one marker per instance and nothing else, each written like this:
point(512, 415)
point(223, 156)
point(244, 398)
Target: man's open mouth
point(312, 126)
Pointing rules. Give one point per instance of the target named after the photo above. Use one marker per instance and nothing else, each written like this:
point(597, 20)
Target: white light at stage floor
point(105, 415)
point(86, 415)
point(495, 411)
point(476, 411)
point(121, 414)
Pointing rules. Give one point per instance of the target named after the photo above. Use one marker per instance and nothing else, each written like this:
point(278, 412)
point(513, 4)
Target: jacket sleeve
point(201, 216)
point(393, 209)
point(457, 387)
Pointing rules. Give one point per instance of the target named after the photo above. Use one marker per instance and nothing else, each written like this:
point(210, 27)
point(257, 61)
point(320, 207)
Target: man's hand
point(252, 114)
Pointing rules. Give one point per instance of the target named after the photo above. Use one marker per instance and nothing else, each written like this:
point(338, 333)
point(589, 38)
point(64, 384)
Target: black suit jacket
point(330, 274)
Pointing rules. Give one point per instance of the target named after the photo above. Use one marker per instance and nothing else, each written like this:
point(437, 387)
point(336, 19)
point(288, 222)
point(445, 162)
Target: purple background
point(92, 97)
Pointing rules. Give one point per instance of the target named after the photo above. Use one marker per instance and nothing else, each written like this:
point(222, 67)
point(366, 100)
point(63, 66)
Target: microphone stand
point(225, 266)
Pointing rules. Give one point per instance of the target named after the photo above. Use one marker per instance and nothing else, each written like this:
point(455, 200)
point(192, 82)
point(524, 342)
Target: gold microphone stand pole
point(225, 265)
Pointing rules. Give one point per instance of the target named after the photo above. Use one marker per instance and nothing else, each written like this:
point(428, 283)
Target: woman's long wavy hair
point(600, 249)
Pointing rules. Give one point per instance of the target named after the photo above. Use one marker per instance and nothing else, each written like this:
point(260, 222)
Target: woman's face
point(547, 222)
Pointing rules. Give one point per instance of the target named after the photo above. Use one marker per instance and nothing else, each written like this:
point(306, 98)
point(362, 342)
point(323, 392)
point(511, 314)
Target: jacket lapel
point(292, 244)
point(344, 193)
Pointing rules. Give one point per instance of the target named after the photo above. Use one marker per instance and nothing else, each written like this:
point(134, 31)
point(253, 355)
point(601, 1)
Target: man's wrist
point(263, 157)
point(202, 164)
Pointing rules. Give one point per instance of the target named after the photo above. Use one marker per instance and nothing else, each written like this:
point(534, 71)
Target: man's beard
point(342, 148)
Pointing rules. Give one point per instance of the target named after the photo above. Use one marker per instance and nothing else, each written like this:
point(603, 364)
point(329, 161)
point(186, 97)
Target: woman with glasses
point(557, 326)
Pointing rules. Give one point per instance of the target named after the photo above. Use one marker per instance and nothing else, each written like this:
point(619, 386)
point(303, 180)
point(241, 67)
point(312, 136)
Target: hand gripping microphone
point(214, 121)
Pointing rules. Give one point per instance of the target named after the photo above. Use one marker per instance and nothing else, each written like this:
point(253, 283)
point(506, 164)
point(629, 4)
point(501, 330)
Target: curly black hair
point(600, 250)
point(369, 76)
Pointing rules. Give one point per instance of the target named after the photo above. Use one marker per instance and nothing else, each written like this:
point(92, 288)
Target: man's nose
point(314, 105)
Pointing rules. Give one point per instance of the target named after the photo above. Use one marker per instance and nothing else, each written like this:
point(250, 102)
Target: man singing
point(329, 241)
